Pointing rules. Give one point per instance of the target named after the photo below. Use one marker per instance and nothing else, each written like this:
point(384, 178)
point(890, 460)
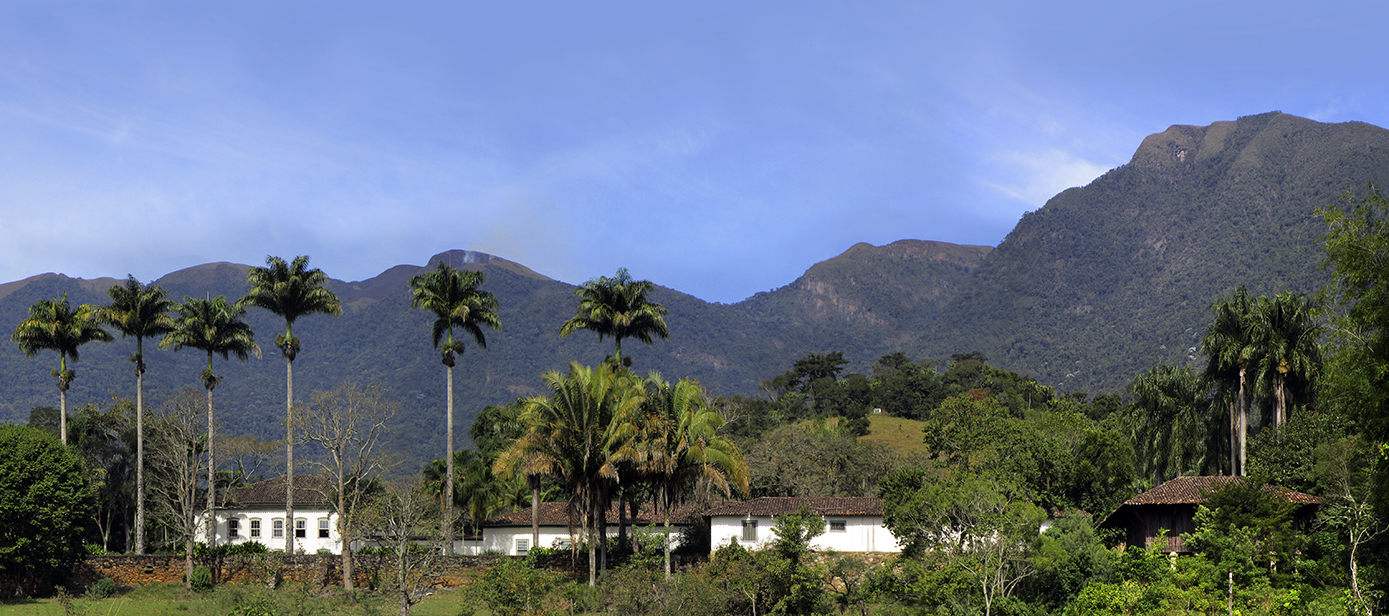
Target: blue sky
point(719, 148)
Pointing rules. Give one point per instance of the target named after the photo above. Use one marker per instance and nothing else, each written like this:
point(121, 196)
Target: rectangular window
point(323, 528)
point(564, 544)
point(233, 528)
point(301, 528)
point(838, 526)
point(749, 530)
point(255, 529)
point(277, 529)
point(523, 546)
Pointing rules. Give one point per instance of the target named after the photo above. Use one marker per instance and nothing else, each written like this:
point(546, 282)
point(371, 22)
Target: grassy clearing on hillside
point(173, 600)
point(900, 435)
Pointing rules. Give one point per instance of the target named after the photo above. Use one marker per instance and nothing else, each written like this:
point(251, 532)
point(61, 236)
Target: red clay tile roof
point(308, 490)
point(1193, 490)
point(777, 505)
point(557, 514)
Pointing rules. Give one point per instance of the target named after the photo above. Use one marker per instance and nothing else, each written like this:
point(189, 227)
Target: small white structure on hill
point(851, 524)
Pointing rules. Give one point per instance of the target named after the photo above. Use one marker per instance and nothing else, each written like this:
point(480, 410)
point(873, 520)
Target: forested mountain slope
point(1099, 284)
point(1108, 280)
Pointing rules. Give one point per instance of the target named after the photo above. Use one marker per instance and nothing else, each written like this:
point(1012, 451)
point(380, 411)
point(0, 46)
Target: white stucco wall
point(310, 543)
point(860, 534)
point(502, 539)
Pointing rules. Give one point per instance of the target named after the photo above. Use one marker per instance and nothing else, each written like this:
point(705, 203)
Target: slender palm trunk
point(535, 508)
point(621, 516)
point(448, 480)
point(346, 549)
point(139, 460)
point(289, 455)
point(667, 529)
point(1234, 438)
point(211, 477)
point(62, 403)
point(592, 541)
point(1243, 424)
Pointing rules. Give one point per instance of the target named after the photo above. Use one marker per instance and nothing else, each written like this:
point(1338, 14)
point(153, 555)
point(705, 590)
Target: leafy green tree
point(53, 325)
point(813, 461)
point(291, 290)
point(796, 586)
point(457, 301)
point(1245, 529)
point(1232, 350)
point(680, 447)
point(979, 523)
point(46, 506)
point(1291, 359)
point(1172, 422)
point(139, 311)
point(101, 438)
point(576, 435)
point(215, 327)
point(618, 307)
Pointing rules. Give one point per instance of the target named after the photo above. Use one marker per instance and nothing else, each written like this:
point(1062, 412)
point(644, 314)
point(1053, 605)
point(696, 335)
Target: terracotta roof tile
point(777, 505)
point(308, 490)
point(1193, 490)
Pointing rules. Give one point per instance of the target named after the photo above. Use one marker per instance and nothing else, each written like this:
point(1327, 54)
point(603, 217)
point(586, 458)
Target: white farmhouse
point(257, 513)
point(511, 534)
point(851, 524)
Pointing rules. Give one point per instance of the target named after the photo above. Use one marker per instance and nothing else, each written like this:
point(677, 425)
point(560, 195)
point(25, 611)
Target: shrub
point(103, 588)
point(201, 578)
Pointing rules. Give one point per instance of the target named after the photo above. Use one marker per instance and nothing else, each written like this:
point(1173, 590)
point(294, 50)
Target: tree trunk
point(1243, 425)
point(592, 542)
point(534, 480)
point(602, 525)
point(345, 547)
point(211, 477)
point(188, 561)
point(667, 525)
point(139, 461)
point(448, 480)
point(621, 517)
point(1234, 438)
point(62, 413)
point(289, 455)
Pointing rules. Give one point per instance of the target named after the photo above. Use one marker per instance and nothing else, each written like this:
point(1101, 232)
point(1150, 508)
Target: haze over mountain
point(1101, 283)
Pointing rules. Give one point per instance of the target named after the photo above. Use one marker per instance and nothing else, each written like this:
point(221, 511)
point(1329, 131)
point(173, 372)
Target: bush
point(201, 578)
point(103, 588)
point(46, 507)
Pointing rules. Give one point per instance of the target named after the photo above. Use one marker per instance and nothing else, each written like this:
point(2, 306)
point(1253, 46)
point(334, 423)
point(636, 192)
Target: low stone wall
point(316, 569)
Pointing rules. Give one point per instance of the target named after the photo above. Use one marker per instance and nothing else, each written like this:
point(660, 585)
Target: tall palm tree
point(680, 447)
point(1174, 420)
point(53, 325)
point(1291, 356)
point(618, 307)
point(214, 326)
point(139, 311)
point(1232, 349)
point(457, 302)
point(575, 435)
point(290, 290)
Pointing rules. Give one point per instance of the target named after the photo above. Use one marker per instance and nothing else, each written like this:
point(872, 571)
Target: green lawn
point(900, 435)
point(172, 600)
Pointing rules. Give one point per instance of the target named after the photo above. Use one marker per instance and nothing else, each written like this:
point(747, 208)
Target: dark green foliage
point(516, 586)
point(1248, 530)
point(102, 589)
point(201, 579)
point(46, 506)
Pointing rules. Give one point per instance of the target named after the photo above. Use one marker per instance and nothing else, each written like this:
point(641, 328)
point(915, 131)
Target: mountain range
point(1102, 282)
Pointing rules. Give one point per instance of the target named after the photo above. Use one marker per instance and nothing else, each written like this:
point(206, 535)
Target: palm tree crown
point(139, 311)
point(53, 325)
point(290, 290)
point(457, 302)
point(214, 326)
point(618, 307)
